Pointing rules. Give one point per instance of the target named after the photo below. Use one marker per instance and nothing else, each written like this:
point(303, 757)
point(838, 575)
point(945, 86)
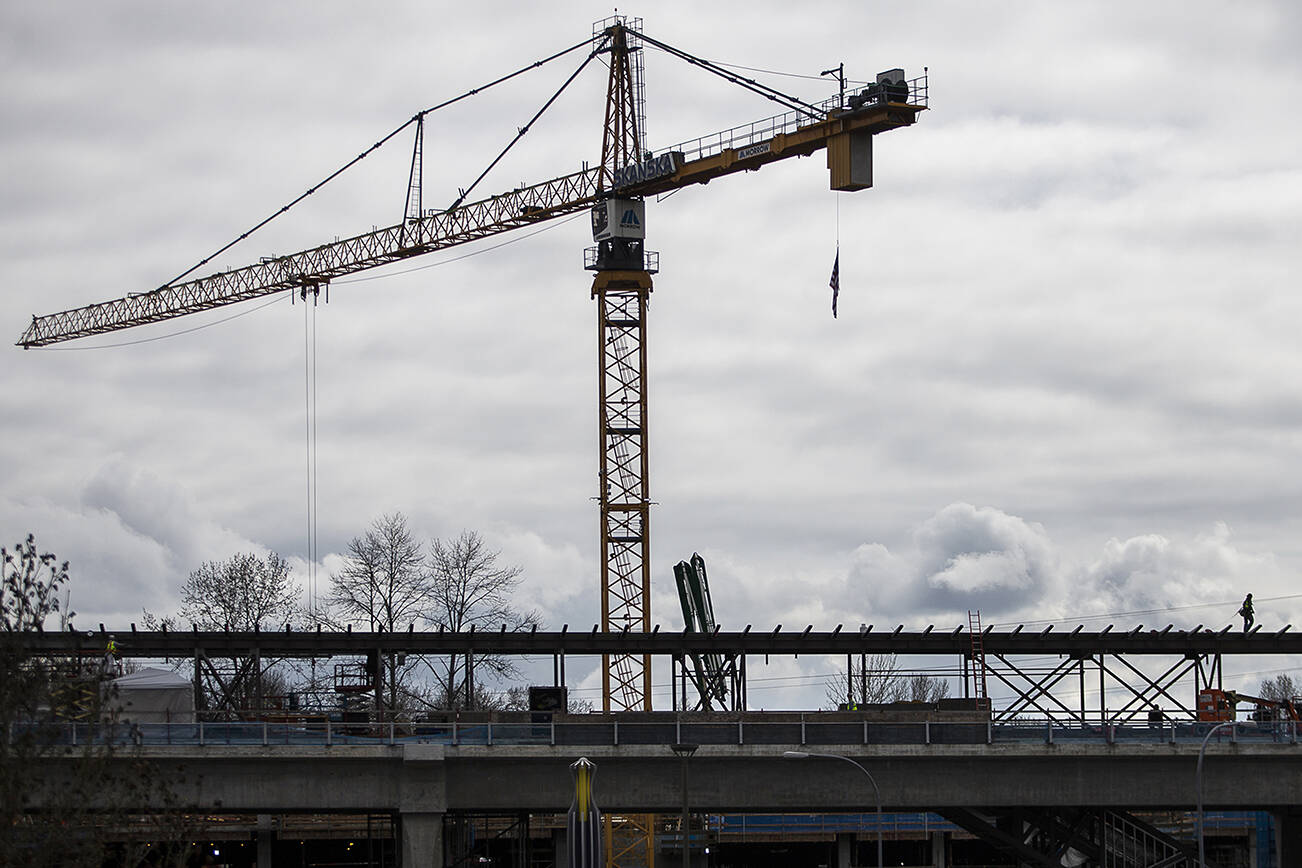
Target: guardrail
point(766, 128)
point(613, 733)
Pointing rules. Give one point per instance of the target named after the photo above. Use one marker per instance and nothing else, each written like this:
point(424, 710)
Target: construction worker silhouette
point(1246, 611)
point(108, 666)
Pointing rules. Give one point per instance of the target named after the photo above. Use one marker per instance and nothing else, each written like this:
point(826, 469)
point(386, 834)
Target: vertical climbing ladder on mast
point(978, 660)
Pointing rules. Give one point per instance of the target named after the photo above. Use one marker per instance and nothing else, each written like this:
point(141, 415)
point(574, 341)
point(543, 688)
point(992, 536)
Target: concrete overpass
point(920, 765)
point(421, 782)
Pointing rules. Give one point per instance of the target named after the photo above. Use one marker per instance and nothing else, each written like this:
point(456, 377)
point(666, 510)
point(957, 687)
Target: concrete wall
point(433, 778)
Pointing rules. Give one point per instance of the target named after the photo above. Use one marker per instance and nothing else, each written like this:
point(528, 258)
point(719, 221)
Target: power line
point(785, 74)
point(1105, 615)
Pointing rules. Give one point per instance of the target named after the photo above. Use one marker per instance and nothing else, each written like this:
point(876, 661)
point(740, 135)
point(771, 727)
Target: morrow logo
point(629, 218)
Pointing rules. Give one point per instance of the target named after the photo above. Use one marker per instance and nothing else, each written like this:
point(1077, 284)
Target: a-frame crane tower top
point(614, 191)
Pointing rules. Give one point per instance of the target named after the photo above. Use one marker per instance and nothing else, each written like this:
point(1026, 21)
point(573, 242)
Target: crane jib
point(647, 170)
point(697, 162)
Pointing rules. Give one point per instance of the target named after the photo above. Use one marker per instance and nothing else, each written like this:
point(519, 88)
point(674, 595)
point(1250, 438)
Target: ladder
point(978, 660)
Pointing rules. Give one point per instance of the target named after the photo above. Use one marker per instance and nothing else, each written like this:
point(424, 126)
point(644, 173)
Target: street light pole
point(1198, 782)
point(800, 754)
point(684, 751)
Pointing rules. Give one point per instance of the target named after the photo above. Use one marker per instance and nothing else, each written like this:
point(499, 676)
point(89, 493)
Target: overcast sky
point(1063, 382)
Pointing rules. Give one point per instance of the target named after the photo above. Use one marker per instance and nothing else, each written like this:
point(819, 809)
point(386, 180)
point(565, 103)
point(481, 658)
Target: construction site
point(1032, 761)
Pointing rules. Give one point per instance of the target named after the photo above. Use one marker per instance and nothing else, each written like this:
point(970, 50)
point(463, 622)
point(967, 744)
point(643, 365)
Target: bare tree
point(383, 585)
point(469, 589)
point(245, 592)
point(872, 679)
point(876, 678)
point(1279, 689)
point(927, 688)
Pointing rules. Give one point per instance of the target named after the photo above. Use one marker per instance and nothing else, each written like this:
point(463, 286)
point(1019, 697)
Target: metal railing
point(766, 128)
point(611, 731)
point(650, 260)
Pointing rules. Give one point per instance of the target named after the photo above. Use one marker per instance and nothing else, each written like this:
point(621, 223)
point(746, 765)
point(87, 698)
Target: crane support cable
point(750, 84)
point(416, 118)
point(522, 130)
point(512, 75)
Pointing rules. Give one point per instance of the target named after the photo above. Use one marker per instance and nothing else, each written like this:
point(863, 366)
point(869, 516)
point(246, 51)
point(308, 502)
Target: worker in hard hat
point(108, 666)
point(1246, 611)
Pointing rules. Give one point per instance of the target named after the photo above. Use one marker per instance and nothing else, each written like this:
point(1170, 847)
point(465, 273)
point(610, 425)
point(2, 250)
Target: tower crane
point(614, 191)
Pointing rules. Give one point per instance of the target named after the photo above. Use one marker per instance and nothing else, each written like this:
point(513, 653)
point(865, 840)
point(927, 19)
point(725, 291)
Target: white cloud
point(1151, 572)
point(981, 558)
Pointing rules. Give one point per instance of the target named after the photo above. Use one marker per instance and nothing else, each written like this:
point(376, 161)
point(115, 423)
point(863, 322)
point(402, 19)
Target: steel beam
point(304, 644)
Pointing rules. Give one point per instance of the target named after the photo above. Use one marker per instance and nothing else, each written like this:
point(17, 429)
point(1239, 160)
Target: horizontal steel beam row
point(777, 641)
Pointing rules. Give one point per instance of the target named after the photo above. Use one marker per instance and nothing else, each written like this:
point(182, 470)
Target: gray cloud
point(1065, 302)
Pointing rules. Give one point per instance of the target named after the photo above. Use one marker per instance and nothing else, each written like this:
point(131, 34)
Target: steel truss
point(630, 839)
point(719, 681)
point(624, 497)
point(1147, 666)
point(471, 839)
point(623, 475)
point(436, 230)
point(1104, 837)
point(1035, 687)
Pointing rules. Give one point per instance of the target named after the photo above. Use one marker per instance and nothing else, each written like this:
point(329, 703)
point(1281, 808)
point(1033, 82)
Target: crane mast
point(622, 288)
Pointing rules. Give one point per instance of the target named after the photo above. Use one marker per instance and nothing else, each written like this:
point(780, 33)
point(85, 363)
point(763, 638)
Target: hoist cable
point(307, 437)
point(316, 488)
point(316, 513)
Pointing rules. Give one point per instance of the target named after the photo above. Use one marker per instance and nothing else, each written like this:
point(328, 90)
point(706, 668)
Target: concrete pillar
point(939, 849)
point(266, 840)
point(422, 840)
point(1288, 837)
point(844, 849)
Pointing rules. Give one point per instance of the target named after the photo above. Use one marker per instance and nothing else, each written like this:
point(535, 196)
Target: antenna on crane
point(839, 69)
